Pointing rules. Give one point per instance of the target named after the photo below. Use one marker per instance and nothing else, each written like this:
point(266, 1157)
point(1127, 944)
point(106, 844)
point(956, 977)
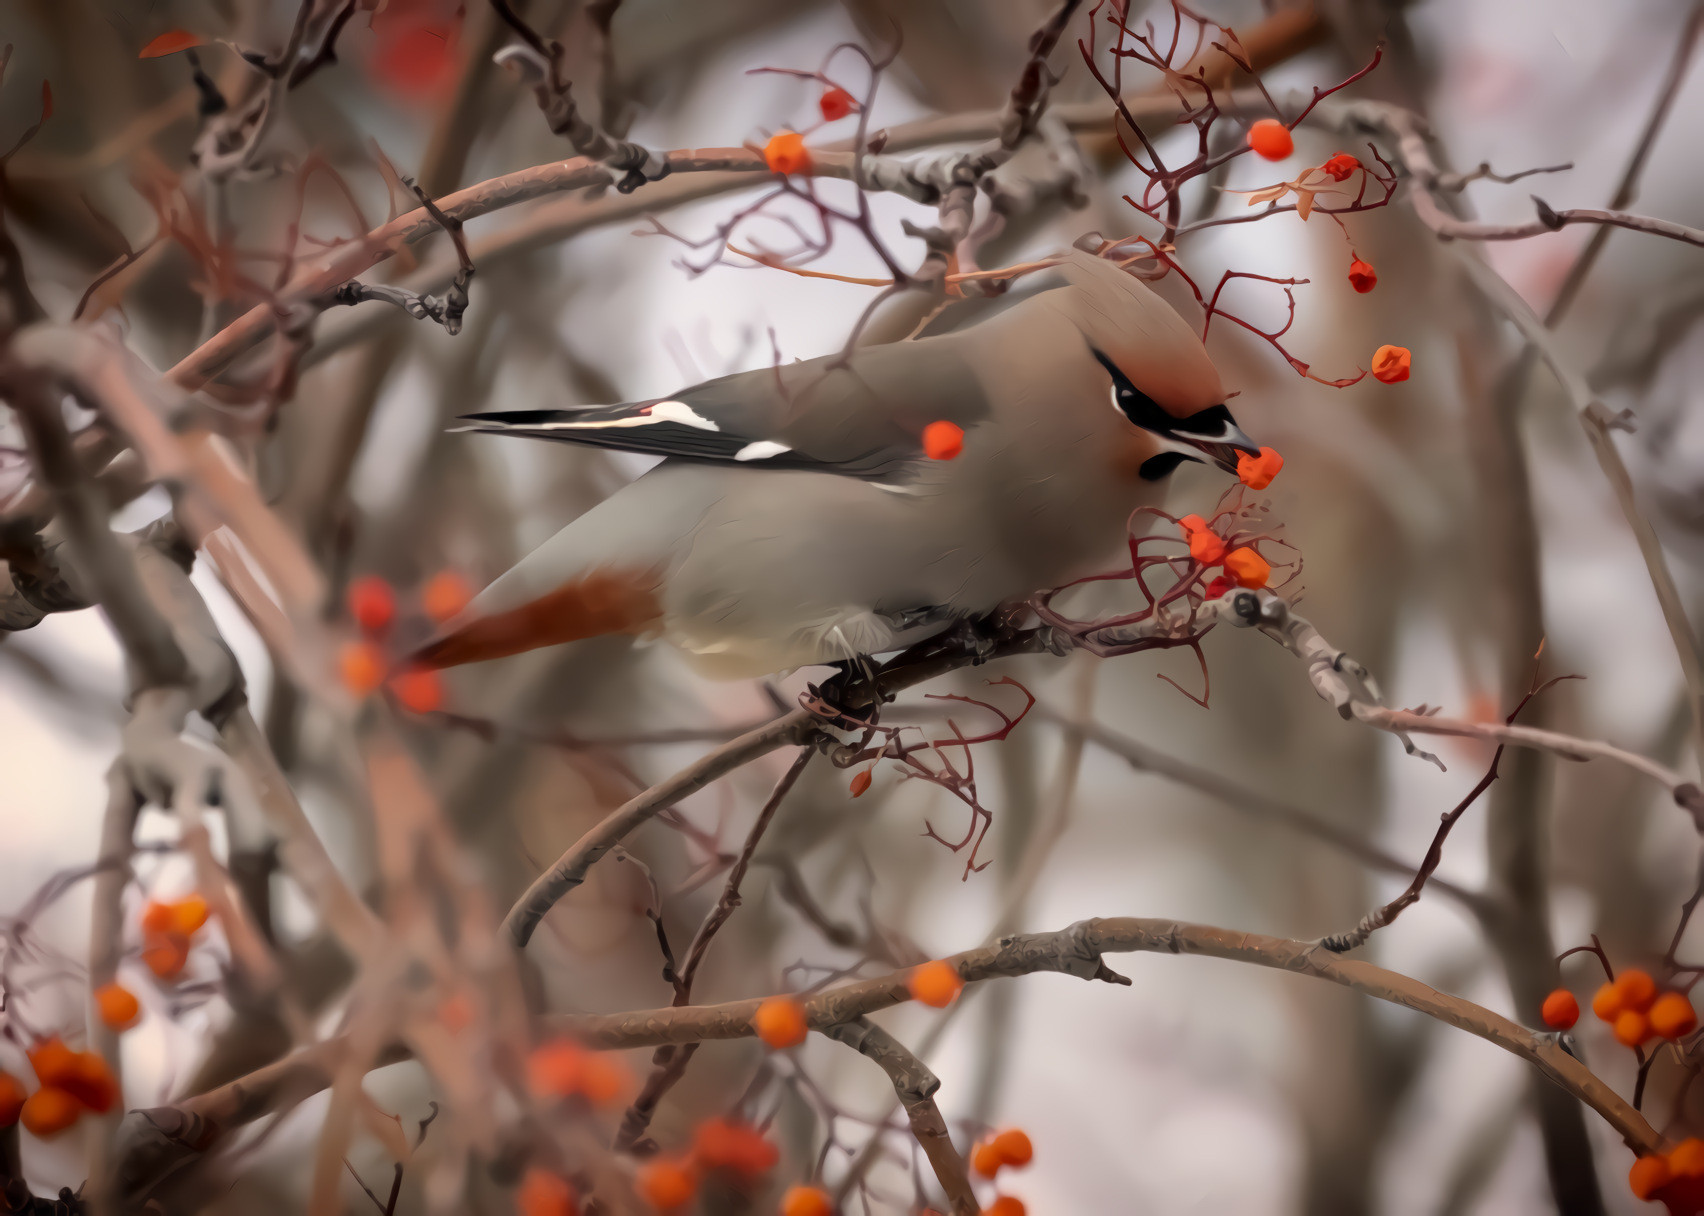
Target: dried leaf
point(1304, 202)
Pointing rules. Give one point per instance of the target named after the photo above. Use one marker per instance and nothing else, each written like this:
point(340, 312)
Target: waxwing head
point(1161, 377)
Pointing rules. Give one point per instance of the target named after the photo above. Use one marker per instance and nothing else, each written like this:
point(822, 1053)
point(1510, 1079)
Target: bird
point(798, 517)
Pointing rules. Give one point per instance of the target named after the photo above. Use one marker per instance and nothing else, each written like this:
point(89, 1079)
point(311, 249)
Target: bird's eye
point(1133, 403)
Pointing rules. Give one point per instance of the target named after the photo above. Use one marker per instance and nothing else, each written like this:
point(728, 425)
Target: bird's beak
point(1221, 448)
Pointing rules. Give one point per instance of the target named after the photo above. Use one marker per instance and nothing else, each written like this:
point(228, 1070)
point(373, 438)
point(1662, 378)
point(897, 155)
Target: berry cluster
point(167, 929)
point(561, 1070)
point(1244, 567)
point(1007, 1149)
point(1675, 1178)
point(372, 605)
point(71, 1082)
point(1638, 1012)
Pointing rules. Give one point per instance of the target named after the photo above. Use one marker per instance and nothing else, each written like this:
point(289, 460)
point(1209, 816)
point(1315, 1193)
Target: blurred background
point(1449, 524)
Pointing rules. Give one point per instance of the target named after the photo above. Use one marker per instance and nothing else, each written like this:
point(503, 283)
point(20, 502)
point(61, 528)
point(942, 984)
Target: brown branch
point(670, 1064)
point(798, 727)
point(163, 1137)
point(1598, 422)
point(916, 1086)
point(1077, 951)
point(708, 171)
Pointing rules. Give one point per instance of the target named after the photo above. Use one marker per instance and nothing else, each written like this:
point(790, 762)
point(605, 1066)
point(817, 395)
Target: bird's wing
point(862, 416)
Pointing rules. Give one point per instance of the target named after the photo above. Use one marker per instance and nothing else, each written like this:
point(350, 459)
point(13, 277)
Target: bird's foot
point(852, 698)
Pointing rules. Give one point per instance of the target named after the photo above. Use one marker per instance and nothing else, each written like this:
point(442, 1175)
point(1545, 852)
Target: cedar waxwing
point(796, 518)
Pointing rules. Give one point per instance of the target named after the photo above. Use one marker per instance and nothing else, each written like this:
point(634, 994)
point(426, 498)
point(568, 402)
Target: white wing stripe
point(662, 411)
point(763, 449)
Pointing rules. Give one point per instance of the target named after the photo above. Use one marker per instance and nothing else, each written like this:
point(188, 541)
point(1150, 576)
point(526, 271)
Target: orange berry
point(49, 1111)
point(860, 782)
point(1257, 472)
point(188, 915)
point(722, 1144)
point(420, 691)
point(806, 1201)
point(780, 1022)
point(54, 1063)
point(786, 153)
point(1247, 567)
point(1014, 1147)
point(985, 1159)
point(935, 983)
point(1606, 1003)
point(835, 104)
point(1207, 547)
point(1687, 1159)
point(1672, 1016)
point(372, 603)
point(1271, 139)
point(1362, 277)
point(361, 667)
point(665, 1184)
point(166, 955)
point(542, 1193)
point(1560, 1010)
point(446, 594)
point(11, 1099)
point(603, 1078)
point(117, 1006)
point(943, 440)
point(91, 1082)
point(1340, 166)
point(1648, 1176)
point(1005, 1205)
point(1390, 364)
point(554, 1069)
point(1191, 524)
point(1636, 989)
point(157, 917)
point(1632, 1028)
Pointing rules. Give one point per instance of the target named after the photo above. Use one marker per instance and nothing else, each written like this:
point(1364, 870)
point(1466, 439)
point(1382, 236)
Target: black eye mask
point(1207, 435)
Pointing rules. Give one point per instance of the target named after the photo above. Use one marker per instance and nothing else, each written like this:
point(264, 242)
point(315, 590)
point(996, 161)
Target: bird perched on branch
point(819, 512)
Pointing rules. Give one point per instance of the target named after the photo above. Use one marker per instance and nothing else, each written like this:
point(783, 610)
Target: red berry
point(942, 440)
point(786, 153)
point(1341, 166)
point(1014, 1147)
point(935, 983)
point(1271, 139)
point(419, 691)
point(445, 595)
point(1673, 1016)
point(1362, 277)
point(836, 103)
point(780, 1022)
point(1561, 1010)
point(372, 603)
point(1391, 364)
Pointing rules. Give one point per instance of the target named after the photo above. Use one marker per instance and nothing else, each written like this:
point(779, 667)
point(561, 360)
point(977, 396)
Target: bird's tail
point(600, 602)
